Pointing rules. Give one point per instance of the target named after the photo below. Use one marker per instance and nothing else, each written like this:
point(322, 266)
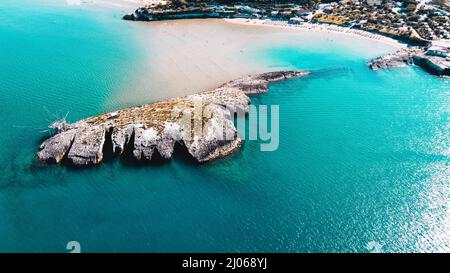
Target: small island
point(157, 127)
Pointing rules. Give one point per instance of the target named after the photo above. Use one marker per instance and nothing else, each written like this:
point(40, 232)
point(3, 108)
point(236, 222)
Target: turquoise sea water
point(363, 156)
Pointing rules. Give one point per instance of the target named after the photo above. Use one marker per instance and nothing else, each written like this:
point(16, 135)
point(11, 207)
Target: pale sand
point(188, 56)
point(327, 28)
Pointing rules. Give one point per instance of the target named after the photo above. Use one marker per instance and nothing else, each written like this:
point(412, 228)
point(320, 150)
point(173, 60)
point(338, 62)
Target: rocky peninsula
point(399, 58)
point(203, 123)
point(435, 59)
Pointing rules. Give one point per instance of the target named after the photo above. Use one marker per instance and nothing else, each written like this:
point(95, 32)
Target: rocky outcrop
point(87, 146)
point(202, 122)
point(399, 58)
point(202, 10)
point(149, 14)
point(54, 149)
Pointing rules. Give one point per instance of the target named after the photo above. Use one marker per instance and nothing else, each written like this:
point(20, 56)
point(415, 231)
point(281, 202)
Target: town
point(424, 23)
point(411, 20)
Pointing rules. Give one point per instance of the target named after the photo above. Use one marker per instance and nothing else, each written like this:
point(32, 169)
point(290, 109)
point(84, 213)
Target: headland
point(203, 123)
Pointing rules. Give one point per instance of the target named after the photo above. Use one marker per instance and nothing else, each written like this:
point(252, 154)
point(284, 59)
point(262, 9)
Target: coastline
point(318, 27)
point(183, 57)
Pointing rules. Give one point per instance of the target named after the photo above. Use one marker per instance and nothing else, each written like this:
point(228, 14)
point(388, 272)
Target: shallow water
point(363, 155)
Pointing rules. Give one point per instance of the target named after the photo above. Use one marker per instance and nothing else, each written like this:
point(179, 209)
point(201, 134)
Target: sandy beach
point(319, 27)
point(188, 56)
point(132, 4)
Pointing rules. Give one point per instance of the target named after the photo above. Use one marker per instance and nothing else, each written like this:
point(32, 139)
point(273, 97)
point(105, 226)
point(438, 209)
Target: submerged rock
point(202, 122)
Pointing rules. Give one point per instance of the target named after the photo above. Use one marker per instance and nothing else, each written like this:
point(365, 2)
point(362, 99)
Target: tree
point(410, 8)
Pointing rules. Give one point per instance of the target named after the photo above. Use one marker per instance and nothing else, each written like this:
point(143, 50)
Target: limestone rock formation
point(399, 58)
point(202, 122)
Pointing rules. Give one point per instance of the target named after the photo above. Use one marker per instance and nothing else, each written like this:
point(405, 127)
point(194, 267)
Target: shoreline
point(320, 28)
point(214, 51)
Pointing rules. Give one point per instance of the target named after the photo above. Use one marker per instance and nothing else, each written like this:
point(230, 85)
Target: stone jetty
point(203, 123)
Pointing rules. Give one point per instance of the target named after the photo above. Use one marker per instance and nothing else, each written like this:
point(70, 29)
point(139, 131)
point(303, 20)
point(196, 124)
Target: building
point(296, 20)
point(438, 51)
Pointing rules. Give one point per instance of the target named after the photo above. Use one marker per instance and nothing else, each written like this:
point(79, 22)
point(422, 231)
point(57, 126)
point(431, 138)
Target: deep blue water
point(363, 155)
